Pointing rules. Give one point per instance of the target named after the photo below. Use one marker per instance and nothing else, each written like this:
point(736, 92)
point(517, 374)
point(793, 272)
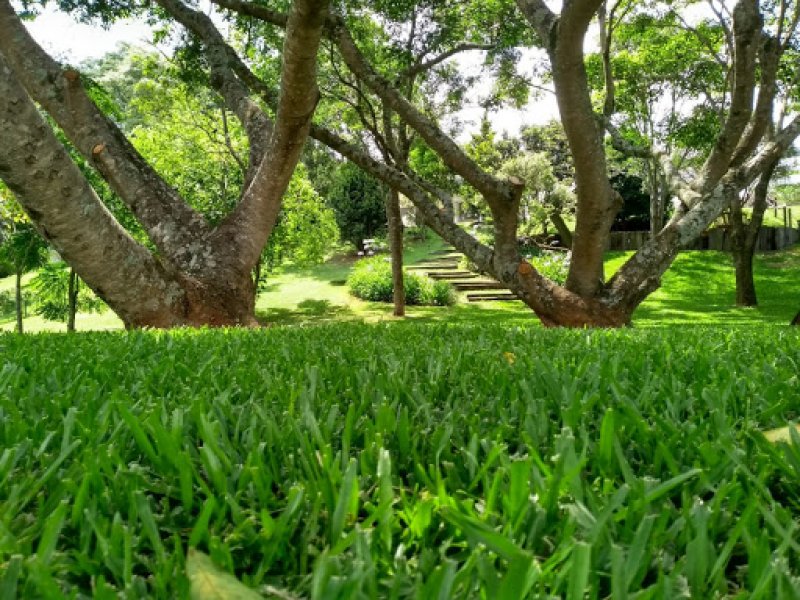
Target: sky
point(73, 42)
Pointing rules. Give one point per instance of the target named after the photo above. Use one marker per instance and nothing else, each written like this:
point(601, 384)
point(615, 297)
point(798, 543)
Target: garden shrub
point(371, 280)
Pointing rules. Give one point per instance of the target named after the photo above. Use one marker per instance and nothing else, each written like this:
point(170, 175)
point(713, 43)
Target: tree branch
point(746, 25)
point(423, 66)
point(67, 212)
point(252, 220)
point(170, 223)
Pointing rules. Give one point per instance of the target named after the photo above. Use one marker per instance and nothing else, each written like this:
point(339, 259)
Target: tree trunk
point(18, 292)
point(72, 300)
point(395, 225)
point(744, 237)
point(796, 320)
point(563, 231)
point(745, 285)
point(200, 275)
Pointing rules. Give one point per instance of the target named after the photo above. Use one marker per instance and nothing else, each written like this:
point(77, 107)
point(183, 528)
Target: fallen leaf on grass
point(210, 583)
point(781, 434)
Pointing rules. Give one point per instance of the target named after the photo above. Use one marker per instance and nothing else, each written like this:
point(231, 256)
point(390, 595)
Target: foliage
point(371, 279)
point(552, 264)
point(22, 248)
point(359, 203)
point(635, 212)
point(306, 228)
point(7, 303)
point(550, 139)
point(550, 463)
point(51, 299)
point(543, 193)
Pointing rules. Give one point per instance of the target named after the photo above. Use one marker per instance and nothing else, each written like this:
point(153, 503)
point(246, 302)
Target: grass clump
point(332, 462)
point(371, 280)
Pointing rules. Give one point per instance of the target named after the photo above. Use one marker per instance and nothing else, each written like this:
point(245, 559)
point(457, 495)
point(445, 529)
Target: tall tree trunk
point(72, 300)
point(395, 224)
point(744, 236)
point(18, 293)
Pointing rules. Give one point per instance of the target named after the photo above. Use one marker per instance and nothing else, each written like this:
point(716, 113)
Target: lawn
point(401, 460)
point(698, 288)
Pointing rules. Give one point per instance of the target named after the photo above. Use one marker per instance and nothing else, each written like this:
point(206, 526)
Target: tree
point(25, 250)
point(59, 295)
point(358, 201)
point(738, 155)
point(200, 272)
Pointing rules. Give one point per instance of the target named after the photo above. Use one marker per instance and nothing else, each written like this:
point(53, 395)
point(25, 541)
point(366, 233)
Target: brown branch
point(67, 212)
point(542, 19)
point(746, 25)
point(423, 66)
point(252, 220)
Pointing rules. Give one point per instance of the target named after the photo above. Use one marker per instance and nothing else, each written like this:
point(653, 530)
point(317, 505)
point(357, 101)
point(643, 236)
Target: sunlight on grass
point(697, 289)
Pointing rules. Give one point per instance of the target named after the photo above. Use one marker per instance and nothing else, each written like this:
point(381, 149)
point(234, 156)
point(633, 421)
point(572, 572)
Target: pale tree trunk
point(395, 226)
point(18, 294)
point(200, 276)
point(72, 299)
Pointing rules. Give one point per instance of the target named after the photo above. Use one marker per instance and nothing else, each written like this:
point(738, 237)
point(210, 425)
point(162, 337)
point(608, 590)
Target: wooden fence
point(719, 238)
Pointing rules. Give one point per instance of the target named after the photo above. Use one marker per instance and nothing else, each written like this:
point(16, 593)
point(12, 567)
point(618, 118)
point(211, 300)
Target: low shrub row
point(401, 461)
point(371, 280)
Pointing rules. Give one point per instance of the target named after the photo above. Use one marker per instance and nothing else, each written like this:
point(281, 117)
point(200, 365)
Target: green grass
point(399, 460)
point(698, 288)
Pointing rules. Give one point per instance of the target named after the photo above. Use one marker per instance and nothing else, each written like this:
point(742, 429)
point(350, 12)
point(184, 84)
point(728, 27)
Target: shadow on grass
point(308, 312)
point(700, 287)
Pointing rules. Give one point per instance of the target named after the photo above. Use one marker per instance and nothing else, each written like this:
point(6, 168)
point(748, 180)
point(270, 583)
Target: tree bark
point(744, 237)
point(561, 227)
point(72, 300)
point(796, 320)
point(18, 297)
point(395, 226)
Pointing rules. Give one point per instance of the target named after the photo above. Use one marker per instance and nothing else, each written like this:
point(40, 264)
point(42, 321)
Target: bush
point(8, 303)
point(552, 264)
point(371, 280)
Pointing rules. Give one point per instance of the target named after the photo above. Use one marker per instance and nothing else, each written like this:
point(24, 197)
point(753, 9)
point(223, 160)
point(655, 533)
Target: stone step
point(439, 266)
point(464, 286)
point(448, 275)
point(486, 296)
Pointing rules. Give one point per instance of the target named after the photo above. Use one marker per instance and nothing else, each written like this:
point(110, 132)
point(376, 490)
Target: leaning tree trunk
point(72, 300)
point(395, 224)
point(563, 231)
point(18, 292)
